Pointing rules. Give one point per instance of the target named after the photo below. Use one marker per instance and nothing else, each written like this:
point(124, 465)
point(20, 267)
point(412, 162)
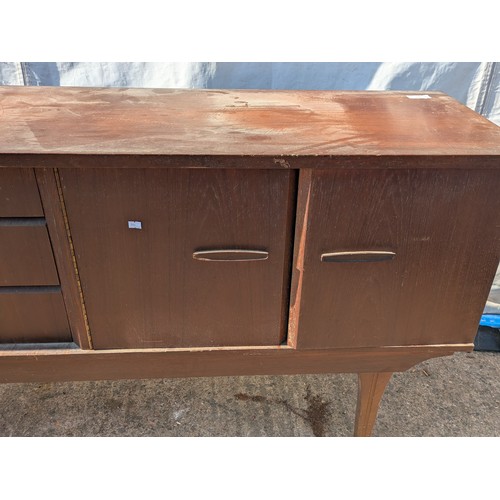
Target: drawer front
point(26, 254)
point(182, 258)
point(19, 195)
point(396, 257)
point(32, 316)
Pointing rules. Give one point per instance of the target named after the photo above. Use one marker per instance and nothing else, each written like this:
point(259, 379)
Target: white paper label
point(419, 96)
point(134, 224)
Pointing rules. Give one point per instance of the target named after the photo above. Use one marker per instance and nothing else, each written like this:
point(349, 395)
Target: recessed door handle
point(358, 256)
point(231, 255)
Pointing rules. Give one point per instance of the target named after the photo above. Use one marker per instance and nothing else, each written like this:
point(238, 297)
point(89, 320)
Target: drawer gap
point(30, 289)
point(288, 261)
point(22, 221)
point(39, 346)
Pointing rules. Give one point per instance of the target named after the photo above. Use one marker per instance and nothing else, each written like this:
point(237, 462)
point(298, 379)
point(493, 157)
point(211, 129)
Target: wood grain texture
point(33, 317)
point(443, 227)
point(143, 288)
point(371, 387)
point(18, 193)
point(26, 256)
point(61, 365)
point(83, 121)
point(64, 257)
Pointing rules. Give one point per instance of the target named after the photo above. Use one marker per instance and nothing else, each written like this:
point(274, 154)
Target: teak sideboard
point(150, 233)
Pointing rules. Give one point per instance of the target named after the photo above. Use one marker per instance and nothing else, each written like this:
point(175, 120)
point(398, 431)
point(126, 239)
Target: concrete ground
point(453, 396)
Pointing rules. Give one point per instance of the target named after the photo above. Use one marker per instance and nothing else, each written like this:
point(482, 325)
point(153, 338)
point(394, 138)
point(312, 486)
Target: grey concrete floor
point(453, 396)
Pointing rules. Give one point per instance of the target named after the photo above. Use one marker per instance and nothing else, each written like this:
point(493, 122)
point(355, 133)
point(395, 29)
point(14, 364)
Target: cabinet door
point(393, 257)
point(182, 257)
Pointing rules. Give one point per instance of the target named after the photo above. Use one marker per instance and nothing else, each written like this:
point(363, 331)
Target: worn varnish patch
point(84, 121)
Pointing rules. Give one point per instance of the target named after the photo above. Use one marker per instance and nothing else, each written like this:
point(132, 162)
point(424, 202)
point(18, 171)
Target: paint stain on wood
point(316, 414)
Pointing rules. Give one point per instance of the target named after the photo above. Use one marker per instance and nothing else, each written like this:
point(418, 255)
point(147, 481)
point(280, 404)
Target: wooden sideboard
point(150, 233)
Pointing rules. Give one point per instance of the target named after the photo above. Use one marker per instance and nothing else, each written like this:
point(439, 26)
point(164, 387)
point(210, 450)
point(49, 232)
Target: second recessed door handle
point(358, 256)
point(230, 255)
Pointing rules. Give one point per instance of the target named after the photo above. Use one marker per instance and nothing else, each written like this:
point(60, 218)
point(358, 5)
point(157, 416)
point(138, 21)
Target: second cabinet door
point(393, 257)
point(182, 257)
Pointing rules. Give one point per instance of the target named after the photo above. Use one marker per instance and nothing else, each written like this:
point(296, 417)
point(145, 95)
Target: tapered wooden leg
point(371, 387)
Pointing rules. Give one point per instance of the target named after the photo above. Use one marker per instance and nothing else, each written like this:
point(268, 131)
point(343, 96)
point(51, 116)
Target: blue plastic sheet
point(491, 320)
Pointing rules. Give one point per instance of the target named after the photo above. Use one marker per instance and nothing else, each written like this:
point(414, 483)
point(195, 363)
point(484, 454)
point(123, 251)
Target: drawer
point(26, 254)
point(19, 195)
point(182, 257)
point(33, 315)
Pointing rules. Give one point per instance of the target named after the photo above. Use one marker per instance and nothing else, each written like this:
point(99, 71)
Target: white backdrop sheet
point(475, 84)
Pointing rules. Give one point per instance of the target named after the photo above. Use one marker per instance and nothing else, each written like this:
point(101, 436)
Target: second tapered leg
point(371, 387)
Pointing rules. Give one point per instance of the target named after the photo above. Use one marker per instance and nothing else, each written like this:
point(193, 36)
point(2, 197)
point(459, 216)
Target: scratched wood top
point(114, 121)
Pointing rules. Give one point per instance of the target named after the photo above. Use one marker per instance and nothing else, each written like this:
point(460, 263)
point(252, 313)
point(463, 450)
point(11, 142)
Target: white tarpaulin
point(477, 85)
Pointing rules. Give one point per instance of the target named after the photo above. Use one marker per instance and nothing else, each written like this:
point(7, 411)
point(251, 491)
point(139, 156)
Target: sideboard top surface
point(126, 121)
